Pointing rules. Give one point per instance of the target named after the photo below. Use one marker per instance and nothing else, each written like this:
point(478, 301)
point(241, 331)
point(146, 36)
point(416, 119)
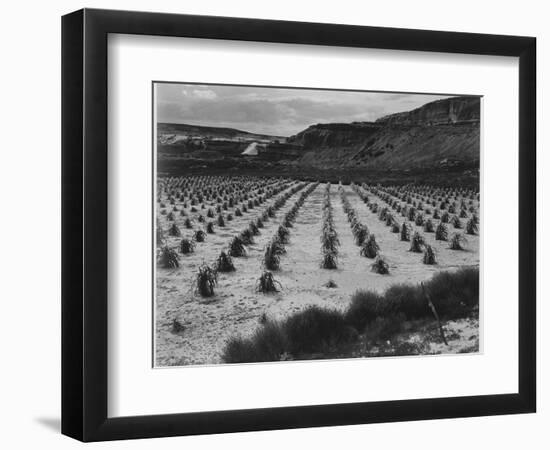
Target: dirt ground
point(236, 308)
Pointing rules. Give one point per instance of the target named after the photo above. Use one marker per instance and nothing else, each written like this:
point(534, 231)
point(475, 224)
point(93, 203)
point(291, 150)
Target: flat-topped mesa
point(455, 110)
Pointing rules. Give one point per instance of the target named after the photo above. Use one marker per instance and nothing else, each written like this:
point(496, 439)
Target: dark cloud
point(275, 110)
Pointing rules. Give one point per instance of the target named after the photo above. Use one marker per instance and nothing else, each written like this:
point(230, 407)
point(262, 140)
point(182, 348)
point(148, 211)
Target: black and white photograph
point(296, 224)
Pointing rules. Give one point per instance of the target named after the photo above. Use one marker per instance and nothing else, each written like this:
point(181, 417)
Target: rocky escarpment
point(333, 135)
point(441, 112)
point(439, 134)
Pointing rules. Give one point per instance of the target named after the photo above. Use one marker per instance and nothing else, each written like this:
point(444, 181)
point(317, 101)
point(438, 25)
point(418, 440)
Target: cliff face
point(334, 135)
point(447, 111)
point(444, 133)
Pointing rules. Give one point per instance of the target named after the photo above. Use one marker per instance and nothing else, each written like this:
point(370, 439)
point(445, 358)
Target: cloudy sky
point(275, 111)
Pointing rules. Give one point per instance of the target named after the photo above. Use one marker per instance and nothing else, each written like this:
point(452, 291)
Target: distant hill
point(182, 129)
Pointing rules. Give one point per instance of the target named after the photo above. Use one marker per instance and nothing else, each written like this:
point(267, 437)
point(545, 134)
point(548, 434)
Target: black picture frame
point(84, 224)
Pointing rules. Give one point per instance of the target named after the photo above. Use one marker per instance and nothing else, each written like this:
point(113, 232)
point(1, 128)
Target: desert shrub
point(411, 214)
point(331, 284)
point(187, 246)
point(278, 246)
point(316, 329)
point(428, 226)
point(287, 222)
point(171, 216)
point(224, 263)
point(455, 221)
point(220, 221)
point(259, 222)
point(193, 209)
point(188, 223)
point(238, 212)
point(407, 299)
point(270, 211)
point(272, 256)
point(283, 234)
point(244, 208)
point(247, 237)
point(210, 227)
point(454, 294)
point(163, 212)
point(463, 214)
point(429, 255)
point(417, 242)
point(441, 233)
point(361, 234)
point(436, 214)
point(471, 226)
point(183, 213)
point(364, 307)
point(330, 241)
point(199, 236)
point(210, 213)
point(329, 260)
point(457, 241)
point(268, 343)
point(267, 283)
point(229, 217)
point(419, 221)
point(201, 218)
point(405, 234)
point(206, 280)
point(236, 247)
point(174, 230)
point(380, 266)
point(370, 248)
point(253, 228)
point(168, 258)
point(445, 217)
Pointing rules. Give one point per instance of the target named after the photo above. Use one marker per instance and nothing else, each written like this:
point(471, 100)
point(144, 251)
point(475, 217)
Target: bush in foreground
point(321, 330)
point(312, 330)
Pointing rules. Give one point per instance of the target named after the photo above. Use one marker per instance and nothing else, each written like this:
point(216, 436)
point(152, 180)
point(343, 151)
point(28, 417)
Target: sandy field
point(236, 308)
